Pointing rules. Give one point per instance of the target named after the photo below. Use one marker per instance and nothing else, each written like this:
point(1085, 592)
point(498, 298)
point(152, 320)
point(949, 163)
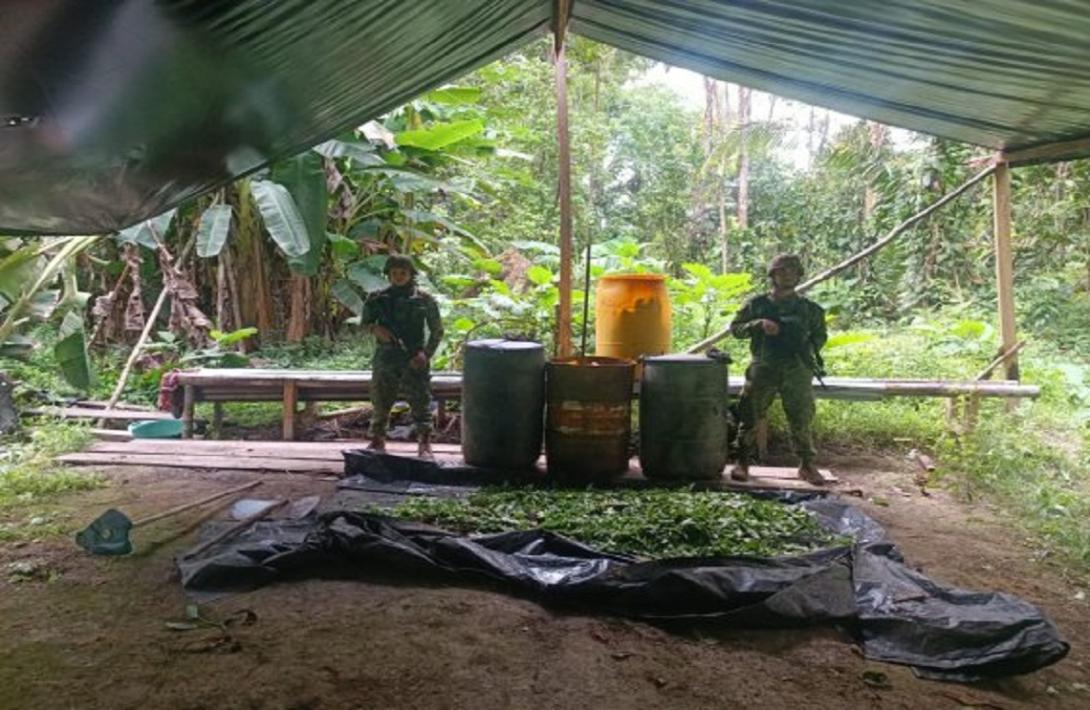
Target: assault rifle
point(791, 328)
point(397, 338)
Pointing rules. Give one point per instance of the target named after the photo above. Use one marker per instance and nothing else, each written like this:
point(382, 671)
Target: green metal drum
point(503, 403)
point(683, 417)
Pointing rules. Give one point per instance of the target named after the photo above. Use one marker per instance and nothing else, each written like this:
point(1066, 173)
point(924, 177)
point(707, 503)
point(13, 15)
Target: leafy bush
point(27, 470)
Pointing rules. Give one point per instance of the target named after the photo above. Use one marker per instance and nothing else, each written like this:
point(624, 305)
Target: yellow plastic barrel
point(632, 316)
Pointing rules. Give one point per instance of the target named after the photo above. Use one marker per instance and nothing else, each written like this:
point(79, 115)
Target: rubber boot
point(423, 445)
point(378, 443)
point(809, 473)
point(740, 472)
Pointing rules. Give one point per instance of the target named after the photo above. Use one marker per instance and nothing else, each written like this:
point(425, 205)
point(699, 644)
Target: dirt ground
point(83, 632)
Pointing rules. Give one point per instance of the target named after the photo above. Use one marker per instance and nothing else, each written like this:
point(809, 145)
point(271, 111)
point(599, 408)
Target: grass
point(27, 470)
point(648, 524)
point(1033, 462)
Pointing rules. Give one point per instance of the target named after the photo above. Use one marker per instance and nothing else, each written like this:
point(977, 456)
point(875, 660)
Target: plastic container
point(503, 403)
point(157, 429)
point(588, 417)
point(632, 316)
point(683, 417)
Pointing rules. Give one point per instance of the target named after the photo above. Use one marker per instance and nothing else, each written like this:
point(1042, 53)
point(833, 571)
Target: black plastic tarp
point(898, 615)
point(114, 111)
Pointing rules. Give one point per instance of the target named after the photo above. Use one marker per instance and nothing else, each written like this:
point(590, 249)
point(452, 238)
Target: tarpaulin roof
point(111, 112)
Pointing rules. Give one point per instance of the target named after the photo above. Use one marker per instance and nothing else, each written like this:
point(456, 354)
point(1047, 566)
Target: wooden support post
point(217, 420)
point(1004, 265)
point(291, 398)
point(440, 413)
point(188, 405)
point(563, 319)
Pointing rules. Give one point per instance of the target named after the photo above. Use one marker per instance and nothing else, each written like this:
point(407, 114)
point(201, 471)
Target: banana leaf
point(71, 353)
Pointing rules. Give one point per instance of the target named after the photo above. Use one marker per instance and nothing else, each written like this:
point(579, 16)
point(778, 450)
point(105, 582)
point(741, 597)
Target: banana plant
point(25, 275)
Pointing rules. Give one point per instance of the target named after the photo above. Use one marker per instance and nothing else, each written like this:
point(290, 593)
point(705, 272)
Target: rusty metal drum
point(588, 417)
point(683, 417)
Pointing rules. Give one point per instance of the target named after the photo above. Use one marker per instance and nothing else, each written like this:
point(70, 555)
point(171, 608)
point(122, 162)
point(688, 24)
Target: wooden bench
point(294, 386)
point(290, 387)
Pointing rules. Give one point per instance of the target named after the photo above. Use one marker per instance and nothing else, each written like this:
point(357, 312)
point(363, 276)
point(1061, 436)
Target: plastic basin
point(157, 429)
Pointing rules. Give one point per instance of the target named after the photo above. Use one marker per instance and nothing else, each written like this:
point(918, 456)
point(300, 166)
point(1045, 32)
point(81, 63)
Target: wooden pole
point(1004, 264)
point(856, 258)
point(1003, 356)
point(190, 506)
point(563, 318)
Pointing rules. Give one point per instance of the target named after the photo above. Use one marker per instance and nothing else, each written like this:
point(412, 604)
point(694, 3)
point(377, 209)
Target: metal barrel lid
point(591, 361)
point(682, 359)
point(505, 345)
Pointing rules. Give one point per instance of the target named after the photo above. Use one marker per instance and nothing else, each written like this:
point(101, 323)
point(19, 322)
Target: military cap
point(785, 261)
point(399, 261)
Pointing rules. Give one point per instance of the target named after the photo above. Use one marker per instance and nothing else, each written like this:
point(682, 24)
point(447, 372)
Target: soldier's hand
point(382, 333)
point(419, 361)
point(770, 327)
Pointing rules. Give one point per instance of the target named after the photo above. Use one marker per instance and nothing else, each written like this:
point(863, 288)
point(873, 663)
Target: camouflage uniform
point(781, 364)
point(404, 310)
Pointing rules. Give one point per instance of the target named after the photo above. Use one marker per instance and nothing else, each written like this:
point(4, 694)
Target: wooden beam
point(124, 415)
point(1003, 356)
point(563, 316)
point(1004, 265)
point(1052, 152)
point(561, 17)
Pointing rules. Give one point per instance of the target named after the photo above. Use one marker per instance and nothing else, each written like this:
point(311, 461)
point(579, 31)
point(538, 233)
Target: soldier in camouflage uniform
point(397, 317)
point(786, 334)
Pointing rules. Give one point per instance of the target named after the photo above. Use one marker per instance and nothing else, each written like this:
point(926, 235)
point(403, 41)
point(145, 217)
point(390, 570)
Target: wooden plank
point(1004, 265)
point(87, 413)
point(321, 451)
point(111, 434)
point(770, 484)
point(786, 472)
point(101, 404)
point(225, 463)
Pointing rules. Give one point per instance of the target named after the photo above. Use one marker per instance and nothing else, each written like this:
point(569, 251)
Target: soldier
point(786, 334)
point(397, 316)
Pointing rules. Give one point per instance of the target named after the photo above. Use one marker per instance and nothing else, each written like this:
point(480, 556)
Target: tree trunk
point(715, 129)
point(711, 113)
point(824, 133)
point(257, 306)
point(870, 197)
point(300, 308)
point(724, 232)
point(744, 96)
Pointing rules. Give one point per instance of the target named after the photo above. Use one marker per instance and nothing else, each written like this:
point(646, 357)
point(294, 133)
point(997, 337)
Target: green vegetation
point(649, 524)
point(463, 179)
point(27, 470)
